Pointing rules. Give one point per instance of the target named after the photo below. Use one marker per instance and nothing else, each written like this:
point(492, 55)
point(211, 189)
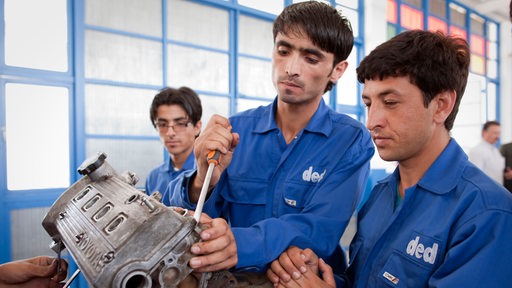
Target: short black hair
point(433, 61)
point(323, 25)
point(183, 96)
point(488, 124)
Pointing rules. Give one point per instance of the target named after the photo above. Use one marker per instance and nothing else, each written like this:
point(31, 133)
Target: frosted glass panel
point(492, 69)
point(136, 16)
point(353, 17)
point(138, 156)
point(36, 34)
point(491, 101)
point(270, 6)
point(118, 110)
point(492, 32)
point(349, 3)
point(198, 69)
point(255, 37)
point(28, 237)
point(121, 58)
point(214, 105)
point(37, 132)
point(198, 24)
point(346, 88)
point(255, 78)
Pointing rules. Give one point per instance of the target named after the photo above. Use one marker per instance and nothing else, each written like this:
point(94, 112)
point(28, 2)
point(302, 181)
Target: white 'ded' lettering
point(418, 250)
point(310, 176)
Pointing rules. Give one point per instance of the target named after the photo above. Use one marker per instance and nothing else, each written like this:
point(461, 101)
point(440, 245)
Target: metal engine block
point(119, 236)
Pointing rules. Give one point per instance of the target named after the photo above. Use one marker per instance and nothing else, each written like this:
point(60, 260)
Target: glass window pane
point(137, 156)
point(491, 101)
point(477, 24)
point(492, 69)
point(492, 50)
point(121, 58)
point(391, 31)
point(416, 3)
point(349, 3)
point(492, 32)
point(436, 24)
point(438, 8)
point(254, 78)
point(477, 64)
point(391, 12)
point(198, 69)
point(36, 34)
point(411, 18)
point(33, 113)
point(477, 44)
point(346, 89)
point(457, 15)
point(199, 24)
point(214, 105)
point(459, 32)
point(118, 110)
point(136, 16)
point(270, 6)
point(255, 37)
point(353, 17)
point(27, 236)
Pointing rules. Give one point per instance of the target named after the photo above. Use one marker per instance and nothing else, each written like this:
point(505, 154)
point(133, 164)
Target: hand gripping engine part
point(120, 237)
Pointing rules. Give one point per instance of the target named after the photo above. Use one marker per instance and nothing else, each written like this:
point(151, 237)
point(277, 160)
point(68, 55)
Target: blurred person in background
point(176, 115)
point(486, 155)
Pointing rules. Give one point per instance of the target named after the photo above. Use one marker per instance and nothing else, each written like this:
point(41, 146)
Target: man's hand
point(300, 268)
point(217, 251)
point(217, 135)
point(39, 271)
point(508, 173)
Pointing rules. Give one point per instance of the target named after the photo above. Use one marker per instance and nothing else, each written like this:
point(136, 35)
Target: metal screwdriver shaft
point(213, 160)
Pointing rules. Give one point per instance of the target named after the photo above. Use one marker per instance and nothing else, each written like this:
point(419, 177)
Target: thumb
point(45, 270)
point(327, 274)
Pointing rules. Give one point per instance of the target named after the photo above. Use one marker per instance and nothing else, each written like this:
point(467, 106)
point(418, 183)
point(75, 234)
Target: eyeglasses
point(163, 126)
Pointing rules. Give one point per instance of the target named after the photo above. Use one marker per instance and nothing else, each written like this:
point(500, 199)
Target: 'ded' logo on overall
point(423, 248)
point(312, 176)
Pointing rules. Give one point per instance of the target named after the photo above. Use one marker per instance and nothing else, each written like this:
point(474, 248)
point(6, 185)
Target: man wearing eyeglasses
point(176, 115)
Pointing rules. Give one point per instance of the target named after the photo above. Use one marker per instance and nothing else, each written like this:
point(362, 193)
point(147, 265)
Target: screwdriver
point(213, 159)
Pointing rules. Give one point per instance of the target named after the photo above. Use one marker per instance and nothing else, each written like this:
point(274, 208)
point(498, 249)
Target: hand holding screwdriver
point(216, 136)
point(213, 159)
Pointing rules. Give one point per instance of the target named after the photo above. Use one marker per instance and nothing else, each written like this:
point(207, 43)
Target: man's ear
point(197, 128)
point(338, 71)
point(445, 101)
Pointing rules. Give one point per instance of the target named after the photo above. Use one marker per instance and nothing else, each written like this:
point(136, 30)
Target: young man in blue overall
point(176, 115)
point(438, 220)
point(290, 172)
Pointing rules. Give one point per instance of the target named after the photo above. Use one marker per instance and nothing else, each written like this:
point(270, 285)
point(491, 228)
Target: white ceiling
point(495, 9)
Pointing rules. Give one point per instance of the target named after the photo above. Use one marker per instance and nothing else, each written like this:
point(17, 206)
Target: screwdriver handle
point(213, 157)
point(213, 160)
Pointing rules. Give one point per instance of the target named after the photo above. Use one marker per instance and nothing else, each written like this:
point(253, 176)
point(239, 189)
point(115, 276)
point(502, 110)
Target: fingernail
point(205, 236)
point(195, 249)
point(303, 269)
point(194, 262)
point(296, 275)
